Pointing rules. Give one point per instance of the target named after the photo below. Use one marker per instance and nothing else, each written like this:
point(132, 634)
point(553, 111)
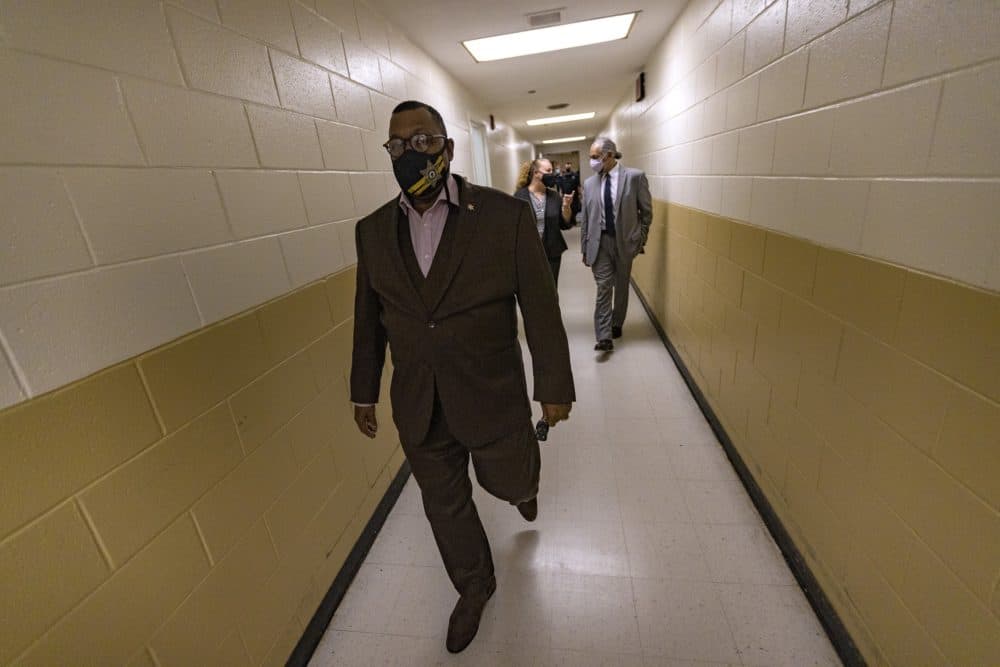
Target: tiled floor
point(647, 550)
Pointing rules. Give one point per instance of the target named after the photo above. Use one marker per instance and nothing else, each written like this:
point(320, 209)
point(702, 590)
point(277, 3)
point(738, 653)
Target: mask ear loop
point(447, 190)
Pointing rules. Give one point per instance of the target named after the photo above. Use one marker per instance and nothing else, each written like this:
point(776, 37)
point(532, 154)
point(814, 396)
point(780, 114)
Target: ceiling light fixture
point(555, 38)
point(562, 119)
point(564, 140)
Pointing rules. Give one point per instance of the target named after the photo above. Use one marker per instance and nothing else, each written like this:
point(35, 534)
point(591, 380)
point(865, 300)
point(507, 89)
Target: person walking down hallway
point(553, 212)
point(440, 269)
point(614, 224)
point(568, 183)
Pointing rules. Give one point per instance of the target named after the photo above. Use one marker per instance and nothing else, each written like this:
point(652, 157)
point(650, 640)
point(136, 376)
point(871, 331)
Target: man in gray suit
point(614, 223)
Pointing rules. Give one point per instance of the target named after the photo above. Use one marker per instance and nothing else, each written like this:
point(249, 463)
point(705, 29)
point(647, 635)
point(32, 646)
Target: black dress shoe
point(529, 509)
point(604, 345)
point(464, 622)
point(616, 332)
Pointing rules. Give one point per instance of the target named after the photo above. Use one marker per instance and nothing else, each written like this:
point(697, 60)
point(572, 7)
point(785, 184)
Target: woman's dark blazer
point(552, 238)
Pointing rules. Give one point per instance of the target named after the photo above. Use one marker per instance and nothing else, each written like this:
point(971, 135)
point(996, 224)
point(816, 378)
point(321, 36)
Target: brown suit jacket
point(456, 335)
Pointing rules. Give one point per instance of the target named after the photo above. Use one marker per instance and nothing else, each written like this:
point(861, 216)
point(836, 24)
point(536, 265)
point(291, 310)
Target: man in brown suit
point(440, 269)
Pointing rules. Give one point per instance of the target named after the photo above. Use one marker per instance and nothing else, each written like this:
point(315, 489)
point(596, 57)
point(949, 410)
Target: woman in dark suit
point(552, 211)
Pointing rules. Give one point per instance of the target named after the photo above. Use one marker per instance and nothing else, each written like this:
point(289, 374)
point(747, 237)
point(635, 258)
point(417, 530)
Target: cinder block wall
point(179, 183)
point(826, 258)
point(196, 502)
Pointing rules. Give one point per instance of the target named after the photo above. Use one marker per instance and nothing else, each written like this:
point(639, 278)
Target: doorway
point(559, 159)
point(480, 155)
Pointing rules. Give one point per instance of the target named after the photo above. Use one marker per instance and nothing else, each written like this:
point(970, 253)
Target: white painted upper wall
point(168, 164)
point(868, 126)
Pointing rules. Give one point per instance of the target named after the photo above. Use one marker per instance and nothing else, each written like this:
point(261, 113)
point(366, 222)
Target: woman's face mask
point(549, 180)
point(421, 175)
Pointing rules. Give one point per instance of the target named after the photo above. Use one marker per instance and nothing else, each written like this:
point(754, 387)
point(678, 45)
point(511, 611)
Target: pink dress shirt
point(426, 229)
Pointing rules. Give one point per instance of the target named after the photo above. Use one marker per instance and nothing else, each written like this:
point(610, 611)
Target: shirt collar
point(613, 169)
point(449, 194)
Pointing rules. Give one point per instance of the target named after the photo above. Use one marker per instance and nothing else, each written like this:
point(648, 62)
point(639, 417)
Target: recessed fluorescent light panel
point(555, 38)
point(562, 119)
point(563, 140)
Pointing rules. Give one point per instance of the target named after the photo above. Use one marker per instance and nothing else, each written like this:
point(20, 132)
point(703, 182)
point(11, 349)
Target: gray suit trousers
point(611, 273)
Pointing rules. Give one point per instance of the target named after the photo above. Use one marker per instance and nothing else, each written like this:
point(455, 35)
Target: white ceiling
point(589, 78)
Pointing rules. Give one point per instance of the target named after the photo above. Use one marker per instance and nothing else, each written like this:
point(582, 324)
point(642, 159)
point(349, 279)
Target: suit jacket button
point(431, 324)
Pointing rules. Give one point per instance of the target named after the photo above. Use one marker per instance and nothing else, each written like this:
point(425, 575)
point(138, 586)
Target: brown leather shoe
point(464, 622)
point(604, 345)
point(529, 509)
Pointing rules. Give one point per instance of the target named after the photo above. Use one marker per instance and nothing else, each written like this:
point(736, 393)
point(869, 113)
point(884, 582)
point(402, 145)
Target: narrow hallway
point(184, 187)
point(646, 551)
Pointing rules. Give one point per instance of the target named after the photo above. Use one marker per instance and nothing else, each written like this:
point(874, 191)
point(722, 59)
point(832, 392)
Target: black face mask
point(421, 175)
point(549, 180)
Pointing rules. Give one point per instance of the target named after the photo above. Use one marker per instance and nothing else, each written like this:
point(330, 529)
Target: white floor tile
point(774, 625)
point(743, 554)
point(594, 614)
point(585, 465)
point(425, 600)
point(683, 619)
point(409, 501)
point(588, 548)
point(621, 404)
point(598, 504)
point(660, 661)
point(634, 430)
point(566, 658)
point(647, 503)
point(405, 539)
point(674, 407)
point(666, 551)
point(520, 612)
point(361, 649)
point(521, 546)
point(370, 599)
point(586, 425)
point(718, 502)
point(692, 461)
point(690, 430)
point(482, 654)
point(643, 465)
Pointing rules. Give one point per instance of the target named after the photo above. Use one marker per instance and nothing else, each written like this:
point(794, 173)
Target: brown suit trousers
point(508, 468)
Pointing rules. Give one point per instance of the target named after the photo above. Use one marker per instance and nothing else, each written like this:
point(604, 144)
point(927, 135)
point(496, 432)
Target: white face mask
point(596, 164)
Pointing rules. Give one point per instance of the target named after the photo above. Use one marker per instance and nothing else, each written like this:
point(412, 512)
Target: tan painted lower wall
point(194, 503)
point(864, 399)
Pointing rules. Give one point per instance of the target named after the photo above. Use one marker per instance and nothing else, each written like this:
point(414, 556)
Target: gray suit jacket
point(633, 214)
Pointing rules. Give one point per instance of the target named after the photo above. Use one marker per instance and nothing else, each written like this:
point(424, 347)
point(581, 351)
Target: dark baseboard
point(828, 617)
point(321, 619)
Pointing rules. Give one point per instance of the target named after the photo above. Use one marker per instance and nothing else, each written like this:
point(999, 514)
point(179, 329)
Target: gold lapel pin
point(472, 207)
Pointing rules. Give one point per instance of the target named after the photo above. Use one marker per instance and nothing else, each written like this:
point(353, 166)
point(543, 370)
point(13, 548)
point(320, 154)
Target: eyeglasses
point(422, 143)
